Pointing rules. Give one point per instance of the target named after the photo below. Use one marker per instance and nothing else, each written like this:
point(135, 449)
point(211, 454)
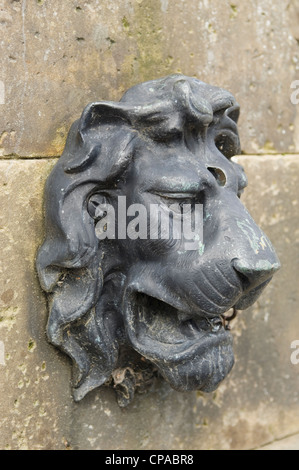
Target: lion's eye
point(180, 203)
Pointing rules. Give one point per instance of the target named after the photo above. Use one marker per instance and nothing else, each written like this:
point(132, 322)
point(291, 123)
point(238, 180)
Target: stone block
point(32, 408)
point(289, 443)
point(58, 56)
point(256, 404)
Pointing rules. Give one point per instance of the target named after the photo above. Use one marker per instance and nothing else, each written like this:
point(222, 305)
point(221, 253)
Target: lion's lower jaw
point(193, 365)
point(205, 372)
point(191, 352)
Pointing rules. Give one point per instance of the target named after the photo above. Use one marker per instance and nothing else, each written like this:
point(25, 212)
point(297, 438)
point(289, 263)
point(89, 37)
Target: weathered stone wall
point(55, 58)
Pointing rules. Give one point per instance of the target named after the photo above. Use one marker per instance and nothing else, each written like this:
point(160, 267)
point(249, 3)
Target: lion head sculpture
point(124, 308)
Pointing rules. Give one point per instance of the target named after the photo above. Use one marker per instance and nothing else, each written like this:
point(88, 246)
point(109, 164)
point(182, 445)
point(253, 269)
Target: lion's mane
point(99, 148)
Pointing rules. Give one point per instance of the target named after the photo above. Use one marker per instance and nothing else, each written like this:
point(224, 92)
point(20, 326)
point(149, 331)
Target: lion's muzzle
point(243, 245)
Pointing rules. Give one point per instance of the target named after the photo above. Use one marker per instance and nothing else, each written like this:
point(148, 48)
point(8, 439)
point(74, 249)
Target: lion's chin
point(191, 352)
point(205, 371)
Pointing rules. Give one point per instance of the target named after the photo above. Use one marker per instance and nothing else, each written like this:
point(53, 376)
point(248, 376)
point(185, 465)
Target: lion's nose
point(255, 273)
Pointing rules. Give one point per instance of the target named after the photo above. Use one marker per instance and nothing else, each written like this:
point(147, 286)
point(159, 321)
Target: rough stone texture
point(31, 412)
point(293, 7)
point(289, 443)
point(58, 56)
point(55, 58)
point(257, 404)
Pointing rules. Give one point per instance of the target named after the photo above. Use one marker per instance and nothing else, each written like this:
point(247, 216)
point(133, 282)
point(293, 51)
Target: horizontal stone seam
point(277, 440)
point(53, 157)
point(266, 155)
point(19, 157)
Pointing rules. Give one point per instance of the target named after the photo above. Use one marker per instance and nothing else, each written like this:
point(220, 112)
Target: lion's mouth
point(161, 321)
point(173, 326)
point(160, 331)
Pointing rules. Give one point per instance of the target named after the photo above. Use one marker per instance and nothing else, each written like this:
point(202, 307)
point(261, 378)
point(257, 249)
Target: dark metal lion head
point(137, 303)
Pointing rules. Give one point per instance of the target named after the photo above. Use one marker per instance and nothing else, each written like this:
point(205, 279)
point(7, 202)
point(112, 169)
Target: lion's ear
point(99, 113)
point(83, 150)
point(83, 160)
